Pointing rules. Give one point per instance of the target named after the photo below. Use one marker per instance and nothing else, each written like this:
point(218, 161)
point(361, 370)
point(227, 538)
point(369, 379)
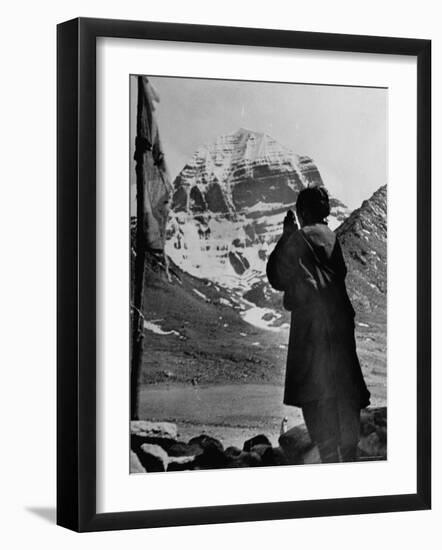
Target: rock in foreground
point(153, 458)
point(299, 449)
point(205, 452)
point(155, 433)
point(135, 466)
point(145, 428)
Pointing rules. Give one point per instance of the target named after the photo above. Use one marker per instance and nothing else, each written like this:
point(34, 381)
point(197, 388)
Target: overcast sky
point(343, 129)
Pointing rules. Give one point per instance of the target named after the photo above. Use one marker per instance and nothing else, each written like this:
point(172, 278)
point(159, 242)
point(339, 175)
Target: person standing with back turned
point(323, 374)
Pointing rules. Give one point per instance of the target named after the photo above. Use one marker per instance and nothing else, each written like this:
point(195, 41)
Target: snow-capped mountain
point(228, 205)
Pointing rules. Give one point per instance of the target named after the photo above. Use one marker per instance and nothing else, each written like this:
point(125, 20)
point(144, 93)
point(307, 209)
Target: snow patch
point(265, 206)
point(155, 328)
point(201, 295)
point(254, 316)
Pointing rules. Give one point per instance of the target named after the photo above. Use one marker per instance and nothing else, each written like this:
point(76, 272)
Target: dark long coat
point(322, 363)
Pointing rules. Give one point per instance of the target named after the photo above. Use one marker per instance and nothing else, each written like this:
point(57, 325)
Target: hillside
point(195, 335)
point(194, 332)
point(363, 237)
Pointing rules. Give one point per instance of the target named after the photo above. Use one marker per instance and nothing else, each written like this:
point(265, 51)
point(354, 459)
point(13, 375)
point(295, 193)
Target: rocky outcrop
point(363, 237)
point(135, 466)
point(373, 440)
point(295, 447)
point(299, 448)
point(296, 443)
point(154, 430)
point(153, 458)
point(179, 463)
point(260, 439)
point(156, 433)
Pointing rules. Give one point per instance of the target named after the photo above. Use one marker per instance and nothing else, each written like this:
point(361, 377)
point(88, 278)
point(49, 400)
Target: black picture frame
point(77, 287)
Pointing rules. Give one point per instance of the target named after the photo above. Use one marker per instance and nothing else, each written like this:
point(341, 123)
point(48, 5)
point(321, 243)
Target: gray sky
point(343, 129)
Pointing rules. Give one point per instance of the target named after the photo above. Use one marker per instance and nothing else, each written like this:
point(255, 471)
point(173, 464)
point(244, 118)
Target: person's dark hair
point(313, 204)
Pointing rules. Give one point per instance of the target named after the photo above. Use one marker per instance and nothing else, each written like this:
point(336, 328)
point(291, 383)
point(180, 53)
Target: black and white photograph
point(220, 245)
point(258, 215)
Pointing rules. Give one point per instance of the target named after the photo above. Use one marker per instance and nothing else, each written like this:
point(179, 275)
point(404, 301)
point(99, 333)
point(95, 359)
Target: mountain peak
point(229, 204)
point(248, 133)
point(370, 216)
point(240, 170)
point(243, 130)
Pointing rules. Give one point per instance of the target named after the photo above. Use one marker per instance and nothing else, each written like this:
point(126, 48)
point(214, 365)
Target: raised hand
point(289, 223)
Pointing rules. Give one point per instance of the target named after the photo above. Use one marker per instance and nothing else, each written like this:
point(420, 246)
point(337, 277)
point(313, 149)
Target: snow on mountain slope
point(228, 205)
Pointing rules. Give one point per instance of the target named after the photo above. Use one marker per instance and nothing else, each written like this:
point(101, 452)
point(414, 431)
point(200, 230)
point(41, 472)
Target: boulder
point(261, 450)
point(260, 439)
point(153, 458)
point(135, 466)
point(382, 434)
point(245, 460)
point(279, 457)
point(270, 456)
point(299, 449)
point(371, 446)
point(380, 417)
point(295, 444)
point(232, 452)
point(184, 449)
point(180, 463)
point(163, 434)
point(312, 456)
point(373, 418)
point(211, 457)
point(146, 428)
point(373, 440)
point(206, 441)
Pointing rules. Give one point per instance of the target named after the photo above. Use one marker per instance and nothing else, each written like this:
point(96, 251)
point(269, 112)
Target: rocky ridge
point(363, 237)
